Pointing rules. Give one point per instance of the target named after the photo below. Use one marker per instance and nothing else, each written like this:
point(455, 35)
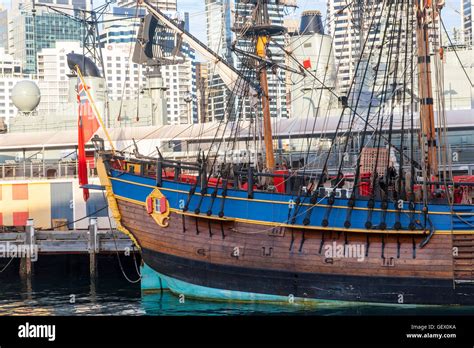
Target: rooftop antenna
point(90, 20)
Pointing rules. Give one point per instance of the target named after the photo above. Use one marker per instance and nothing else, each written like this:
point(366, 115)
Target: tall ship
point(389, 224)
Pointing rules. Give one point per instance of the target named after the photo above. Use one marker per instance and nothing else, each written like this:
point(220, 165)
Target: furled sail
point(157, 44)
point(233, 79)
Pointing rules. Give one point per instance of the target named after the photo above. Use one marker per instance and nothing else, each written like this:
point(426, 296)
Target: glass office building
point(31, 34)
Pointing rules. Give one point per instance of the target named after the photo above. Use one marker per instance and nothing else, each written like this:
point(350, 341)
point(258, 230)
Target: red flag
point(81, 158)
point(87, 126)
point(307, 63)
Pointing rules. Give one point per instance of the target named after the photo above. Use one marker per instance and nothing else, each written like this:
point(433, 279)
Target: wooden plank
point(12, 236)
point(58, 246)
point(120, 246)
point(435, 260)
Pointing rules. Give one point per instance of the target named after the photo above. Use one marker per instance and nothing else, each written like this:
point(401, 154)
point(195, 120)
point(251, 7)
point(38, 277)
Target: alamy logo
point(19, 250)
point(37, 331)
point(335, 250)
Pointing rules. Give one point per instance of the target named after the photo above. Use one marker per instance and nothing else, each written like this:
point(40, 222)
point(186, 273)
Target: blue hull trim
point(279, 208)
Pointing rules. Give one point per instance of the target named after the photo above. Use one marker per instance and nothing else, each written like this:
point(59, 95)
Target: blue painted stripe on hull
point(130, 187)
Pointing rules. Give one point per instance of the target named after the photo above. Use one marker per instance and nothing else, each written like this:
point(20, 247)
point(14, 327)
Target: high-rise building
point(29, 34)
point(223, 17)
point(123, 23)
point(126, 79)
point(10, 74)
point(52, 75)
point(467, 20)
point(180, 80)
point(121, 26)
point(67, 6)
point(219, 39)
point(345, 21)
point(4, 28)
point(355, 24)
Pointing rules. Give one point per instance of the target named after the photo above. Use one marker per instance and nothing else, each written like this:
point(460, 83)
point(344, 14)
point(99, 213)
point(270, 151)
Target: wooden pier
point(50, 242)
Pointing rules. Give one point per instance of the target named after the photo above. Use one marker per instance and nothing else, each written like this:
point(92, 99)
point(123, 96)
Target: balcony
point(39, 169)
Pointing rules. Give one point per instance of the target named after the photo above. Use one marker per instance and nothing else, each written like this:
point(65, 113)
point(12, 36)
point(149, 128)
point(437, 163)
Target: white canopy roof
point(283, 128)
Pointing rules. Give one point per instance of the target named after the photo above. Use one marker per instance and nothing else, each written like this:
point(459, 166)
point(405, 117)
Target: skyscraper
point(29, 34)
point(10, 74)
point(121, 26)
point(52, 75)
point(120, 34)
point(223, 17)
point(4, 28)
point(467, 22)
point(355, 24)
point(345, 21)
point(219, 39)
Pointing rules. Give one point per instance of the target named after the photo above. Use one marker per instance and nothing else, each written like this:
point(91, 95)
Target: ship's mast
point(263, 31)
point(261, 50)
point(426, 13)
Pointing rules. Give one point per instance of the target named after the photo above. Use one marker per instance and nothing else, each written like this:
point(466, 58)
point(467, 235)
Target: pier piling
point(93, 247)
point(26, 265)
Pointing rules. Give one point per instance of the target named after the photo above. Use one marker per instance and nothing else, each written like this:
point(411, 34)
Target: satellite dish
point(26, 96)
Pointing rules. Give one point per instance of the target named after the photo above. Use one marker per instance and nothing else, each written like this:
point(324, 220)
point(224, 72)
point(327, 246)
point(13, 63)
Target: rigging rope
point(8, 264)
point(364, 132)
point(345, 107)
point(455, 51)
point(116, 250)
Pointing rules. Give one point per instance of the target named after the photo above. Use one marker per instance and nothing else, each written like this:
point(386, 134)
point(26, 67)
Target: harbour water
point(61, 286)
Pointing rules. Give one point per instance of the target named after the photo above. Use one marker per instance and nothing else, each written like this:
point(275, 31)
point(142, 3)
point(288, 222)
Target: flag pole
point(95, 108)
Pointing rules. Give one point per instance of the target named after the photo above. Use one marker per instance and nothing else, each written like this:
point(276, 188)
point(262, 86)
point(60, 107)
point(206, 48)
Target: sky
point(451, 13)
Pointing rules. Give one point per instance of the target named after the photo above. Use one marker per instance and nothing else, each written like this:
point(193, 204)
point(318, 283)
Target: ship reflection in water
point(68, 291)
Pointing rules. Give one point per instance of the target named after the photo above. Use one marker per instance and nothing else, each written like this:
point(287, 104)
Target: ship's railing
point(461, 156)
point(39, 169)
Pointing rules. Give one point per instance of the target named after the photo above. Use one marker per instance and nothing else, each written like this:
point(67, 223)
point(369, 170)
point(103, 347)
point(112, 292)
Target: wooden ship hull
point(227, 246)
